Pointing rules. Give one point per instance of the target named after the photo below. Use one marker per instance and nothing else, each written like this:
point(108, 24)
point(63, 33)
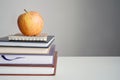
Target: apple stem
point(27, 13)
point(25, 10)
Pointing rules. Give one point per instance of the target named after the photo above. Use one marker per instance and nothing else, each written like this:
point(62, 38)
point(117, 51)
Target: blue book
point(4, 41)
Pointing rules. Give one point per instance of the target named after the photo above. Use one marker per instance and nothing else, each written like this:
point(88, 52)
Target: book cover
point(28, 59)
point(5, 42)
point(17, 70)
point(21, 37)
point(25, 50)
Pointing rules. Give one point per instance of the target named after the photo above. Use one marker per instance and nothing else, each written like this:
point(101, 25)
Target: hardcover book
point(28, 58)
point(25, 50)
point(4, 41)
point(29, 70)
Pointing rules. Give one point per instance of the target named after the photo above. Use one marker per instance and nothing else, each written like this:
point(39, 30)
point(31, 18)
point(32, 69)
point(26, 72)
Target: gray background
point(81, 27)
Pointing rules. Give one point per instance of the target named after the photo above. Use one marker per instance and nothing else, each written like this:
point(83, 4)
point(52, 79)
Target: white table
point(80, 68)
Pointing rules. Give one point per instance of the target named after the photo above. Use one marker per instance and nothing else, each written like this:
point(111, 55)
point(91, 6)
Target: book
point(4, 41)
point(28, 59)
point(25, 50)
point(21, 37)
point(29, 70)
point(6, 70)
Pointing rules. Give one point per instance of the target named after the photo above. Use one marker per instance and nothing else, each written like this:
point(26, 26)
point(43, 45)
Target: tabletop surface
point(80, 68)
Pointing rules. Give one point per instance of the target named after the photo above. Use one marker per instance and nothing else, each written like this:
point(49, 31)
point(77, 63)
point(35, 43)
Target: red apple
point(30, 23)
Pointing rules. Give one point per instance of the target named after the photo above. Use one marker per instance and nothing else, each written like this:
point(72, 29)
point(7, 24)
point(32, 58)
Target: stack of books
point(23, 55)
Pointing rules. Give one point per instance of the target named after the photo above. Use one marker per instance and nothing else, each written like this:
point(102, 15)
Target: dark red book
point(29, 70)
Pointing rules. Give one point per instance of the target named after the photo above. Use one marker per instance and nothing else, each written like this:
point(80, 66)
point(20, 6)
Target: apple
point(30, 23)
